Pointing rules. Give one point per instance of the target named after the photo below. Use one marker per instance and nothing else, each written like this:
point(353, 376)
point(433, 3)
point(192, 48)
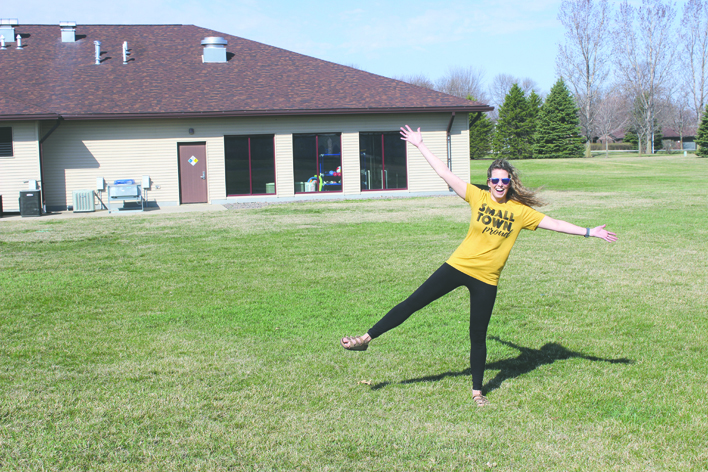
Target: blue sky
point(516, 37)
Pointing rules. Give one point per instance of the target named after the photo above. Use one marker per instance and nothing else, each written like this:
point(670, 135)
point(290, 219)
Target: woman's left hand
point(413, 137)
point(602, 233)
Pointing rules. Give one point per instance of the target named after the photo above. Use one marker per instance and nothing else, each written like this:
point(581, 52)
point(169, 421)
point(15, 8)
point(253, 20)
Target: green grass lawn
point(209, 341)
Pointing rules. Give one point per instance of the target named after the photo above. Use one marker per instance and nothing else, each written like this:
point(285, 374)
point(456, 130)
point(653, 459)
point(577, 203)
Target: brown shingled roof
point(165, 76)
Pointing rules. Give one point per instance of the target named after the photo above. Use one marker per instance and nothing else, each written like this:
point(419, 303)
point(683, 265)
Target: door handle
point(203, 175)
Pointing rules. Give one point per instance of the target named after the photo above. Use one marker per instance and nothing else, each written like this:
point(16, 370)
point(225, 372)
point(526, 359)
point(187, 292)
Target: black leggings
point(443, 281)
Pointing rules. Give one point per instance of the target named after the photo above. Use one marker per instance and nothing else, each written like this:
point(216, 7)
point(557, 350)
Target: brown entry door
point(192, 173)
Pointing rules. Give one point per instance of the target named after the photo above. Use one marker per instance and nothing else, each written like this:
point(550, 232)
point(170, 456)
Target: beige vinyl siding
point(80, 151)
point(216, 168)
point(22, 166)
point(351, 164)
point(285, 183)
point(460, 134)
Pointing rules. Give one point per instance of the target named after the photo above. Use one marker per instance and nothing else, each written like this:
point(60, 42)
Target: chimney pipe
point(126, 53)
point(68, 31)
point(2, 43)
point(97, 44)
point(7, 29)
point(214, 49)
point(19, 41)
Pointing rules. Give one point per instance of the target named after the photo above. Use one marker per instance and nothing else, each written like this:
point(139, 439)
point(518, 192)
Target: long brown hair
point(517, 191)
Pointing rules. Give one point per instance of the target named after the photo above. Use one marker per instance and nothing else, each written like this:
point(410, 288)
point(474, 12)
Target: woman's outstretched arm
point(416, 139)
point(564, 227)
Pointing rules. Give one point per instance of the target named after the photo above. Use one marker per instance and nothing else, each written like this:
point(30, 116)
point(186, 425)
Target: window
point(383, 161)
point(5, 142)
point(250, 164)
point(317, 162)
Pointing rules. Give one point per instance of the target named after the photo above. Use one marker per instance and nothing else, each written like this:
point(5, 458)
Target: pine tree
point(481, 132)
point(702, 136)
point(534, 103)
point(630, 137)
point(558, 127)
point(512, 135)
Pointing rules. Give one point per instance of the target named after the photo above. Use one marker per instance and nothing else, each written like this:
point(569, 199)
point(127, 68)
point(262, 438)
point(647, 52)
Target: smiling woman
point(498, 216)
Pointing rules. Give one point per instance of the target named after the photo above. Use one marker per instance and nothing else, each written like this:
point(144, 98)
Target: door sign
point(193, 160)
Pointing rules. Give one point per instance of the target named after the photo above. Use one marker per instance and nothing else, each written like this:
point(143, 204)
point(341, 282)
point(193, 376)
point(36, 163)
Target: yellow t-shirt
point(493, 230)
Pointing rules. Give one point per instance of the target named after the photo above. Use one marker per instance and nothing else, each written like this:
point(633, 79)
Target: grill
point(125, 191)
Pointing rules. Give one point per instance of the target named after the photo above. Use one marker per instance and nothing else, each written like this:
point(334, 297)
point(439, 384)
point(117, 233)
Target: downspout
point(475, 119)
point(449, 144)
point(41, 162)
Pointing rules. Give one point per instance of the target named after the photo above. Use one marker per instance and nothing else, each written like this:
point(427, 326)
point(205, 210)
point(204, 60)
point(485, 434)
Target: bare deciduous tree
point(420, 80)
point(680, 116)
point(528, 85)
point(500, 86)
point(693, 40)
point(462, 82)
point(642, 51)
point(582, 60)
point(610, 116)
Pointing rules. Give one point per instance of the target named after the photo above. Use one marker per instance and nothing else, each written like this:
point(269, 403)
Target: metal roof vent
point(68, 31)
point(7, 29)
point(214, 49)
point(97, 47)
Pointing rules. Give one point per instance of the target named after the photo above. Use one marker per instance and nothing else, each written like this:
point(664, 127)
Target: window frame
point(383, 159)
point(317, 156)
point(9, 143)
point(250, 165)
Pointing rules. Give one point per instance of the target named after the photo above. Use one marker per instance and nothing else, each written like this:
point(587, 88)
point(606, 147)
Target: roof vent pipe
point(7, 29)
point(97, 44)
point(2, 43)
point(68, 31)
point(214, 49)
point(126, 53)
point(19, 41)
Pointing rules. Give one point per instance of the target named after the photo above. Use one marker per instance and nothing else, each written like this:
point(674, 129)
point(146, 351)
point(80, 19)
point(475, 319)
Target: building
point(209, 118)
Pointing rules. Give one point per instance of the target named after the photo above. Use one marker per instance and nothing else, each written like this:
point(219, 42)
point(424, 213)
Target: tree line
point(625, 71)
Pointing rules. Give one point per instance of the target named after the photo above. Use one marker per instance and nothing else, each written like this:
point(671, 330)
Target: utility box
point(30, 203)
point(83, 201)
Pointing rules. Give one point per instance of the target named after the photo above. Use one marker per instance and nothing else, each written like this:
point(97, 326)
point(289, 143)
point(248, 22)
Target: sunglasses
point(495, 180)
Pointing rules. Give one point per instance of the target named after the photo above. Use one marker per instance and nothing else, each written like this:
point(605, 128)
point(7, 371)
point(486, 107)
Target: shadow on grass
point(527, 360)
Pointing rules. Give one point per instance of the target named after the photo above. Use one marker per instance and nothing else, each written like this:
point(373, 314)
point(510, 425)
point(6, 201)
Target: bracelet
point(587, 232)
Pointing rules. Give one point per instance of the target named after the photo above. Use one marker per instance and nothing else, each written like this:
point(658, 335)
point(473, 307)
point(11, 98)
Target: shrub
point(612, 147)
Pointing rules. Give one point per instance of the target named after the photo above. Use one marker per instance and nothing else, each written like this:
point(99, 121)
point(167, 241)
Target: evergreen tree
point(630, 137)
point(481, 132)
point(534, 103)
point(558, 127)
point(512, 135)
point(702, 136)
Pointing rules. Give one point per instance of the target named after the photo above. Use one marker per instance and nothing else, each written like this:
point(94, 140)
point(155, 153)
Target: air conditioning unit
point(83, 201)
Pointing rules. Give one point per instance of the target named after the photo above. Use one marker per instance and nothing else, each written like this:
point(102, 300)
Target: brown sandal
point(356, 343)
point(480, 399)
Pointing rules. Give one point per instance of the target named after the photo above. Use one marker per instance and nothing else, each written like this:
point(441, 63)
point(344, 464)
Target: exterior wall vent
point(7, 29)
point(214, 49)
point(68, 31)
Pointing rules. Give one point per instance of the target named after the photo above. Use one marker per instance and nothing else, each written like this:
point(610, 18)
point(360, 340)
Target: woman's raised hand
point(413, 137)
point(602, 233)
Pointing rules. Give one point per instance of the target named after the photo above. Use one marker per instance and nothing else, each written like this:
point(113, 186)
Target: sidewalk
point(204, 207)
